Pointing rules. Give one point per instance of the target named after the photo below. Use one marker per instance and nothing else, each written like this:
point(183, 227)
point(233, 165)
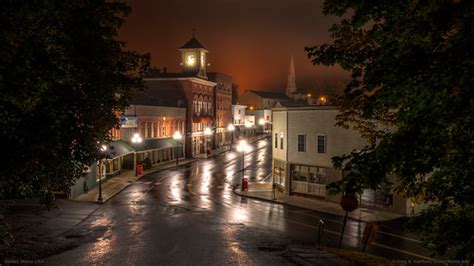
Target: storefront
point(310, 180)
point(279, 173)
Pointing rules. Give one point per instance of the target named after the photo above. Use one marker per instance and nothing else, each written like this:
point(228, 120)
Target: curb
point(128, 184)
point(151, 172)
point(288, 204)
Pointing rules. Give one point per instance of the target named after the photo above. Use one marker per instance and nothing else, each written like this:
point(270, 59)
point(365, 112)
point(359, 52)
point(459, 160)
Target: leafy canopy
point(410, 95)
point(63, 78)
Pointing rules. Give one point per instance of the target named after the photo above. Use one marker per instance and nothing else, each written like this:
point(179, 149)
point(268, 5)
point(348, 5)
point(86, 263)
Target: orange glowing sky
point(250, 40)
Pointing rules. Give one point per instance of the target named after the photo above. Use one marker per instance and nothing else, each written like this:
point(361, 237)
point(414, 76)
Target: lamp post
point(231, 129)
point(262, 123)
point(101, 165)
point(135, 139)
point(243, 147)
point(207, 132)
point(177, 137)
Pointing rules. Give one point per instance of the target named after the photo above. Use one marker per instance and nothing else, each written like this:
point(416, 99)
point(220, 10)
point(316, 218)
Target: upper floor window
point(301, 142)
point(321, 143)
point(276, 140)
point(281, 140)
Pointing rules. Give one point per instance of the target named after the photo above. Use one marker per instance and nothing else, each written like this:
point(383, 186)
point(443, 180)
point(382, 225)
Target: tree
point(410, 95)
point(64, 77)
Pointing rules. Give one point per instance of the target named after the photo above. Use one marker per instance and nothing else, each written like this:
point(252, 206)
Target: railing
point(308, 188)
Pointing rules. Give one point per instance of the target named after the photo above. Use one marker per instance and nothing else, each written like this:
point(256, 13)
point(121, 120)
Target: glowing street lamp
point(136, 138)
point(243, 147)
point(177, 137)
point(231, 129)
point(103, 149)
point(207, 132)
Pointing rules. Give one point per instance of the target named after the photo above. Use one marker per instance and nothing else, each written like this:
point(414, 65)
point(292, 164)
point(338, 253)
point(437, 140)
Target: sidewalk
point(263, 191)
point(113, 185)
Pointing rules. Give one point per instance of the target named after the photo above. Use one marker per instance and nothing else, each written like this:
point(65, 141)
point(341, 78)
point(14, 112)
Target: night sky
point(250, 40)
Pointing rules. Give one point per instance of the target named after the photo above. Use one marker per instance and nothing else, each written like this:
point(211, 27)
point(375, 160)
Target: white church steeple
point(291, 83)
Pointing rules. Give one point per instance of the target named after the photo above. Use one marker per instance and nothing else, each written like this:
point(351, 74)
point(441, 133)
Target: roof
point(214, 76)
point(193, 43)
point(271, 95)
point(159, 74)
point(300, 91)
point(157, 95)
point(121, 147)
point(298, 103)
point(118, 148)
point(306, 108)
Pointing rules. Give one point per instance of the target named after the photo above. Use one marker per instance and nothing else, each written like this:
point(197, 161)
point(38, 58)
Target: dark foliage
point(411, 97)
point(64, 76)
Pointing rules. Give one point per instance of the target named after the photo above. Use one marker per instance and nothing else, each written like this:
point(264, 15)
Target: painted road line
point(312, 226)
point(315, 216)
point(403, 251)
point(402, 237)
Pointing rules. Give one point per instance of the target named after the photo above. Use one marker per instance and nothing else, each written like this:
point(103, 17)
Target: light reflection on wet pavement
point(190, 215)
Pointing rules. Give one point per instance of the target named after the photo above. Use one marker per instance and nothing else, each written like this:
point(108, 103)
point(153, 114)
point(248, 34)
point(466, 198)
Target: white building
point(238, 114)
point(263, 119)
point(304, 139)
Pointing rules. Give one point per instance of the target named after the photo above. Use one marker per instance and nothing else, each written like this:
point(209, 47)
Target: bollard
point(320, 230)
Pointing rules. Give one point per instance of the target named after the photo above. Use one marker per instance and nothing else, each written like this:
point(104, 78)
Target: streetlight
point(101, 165)
point(262, 123)
point(136, 138)
point(177, 137)
point(231, 129)
point(243, 147)
point(207, 132)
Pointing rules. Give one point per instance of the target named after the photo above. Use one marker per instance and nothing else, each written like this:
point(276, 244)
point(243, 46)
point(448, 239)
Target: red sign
point(349, 202)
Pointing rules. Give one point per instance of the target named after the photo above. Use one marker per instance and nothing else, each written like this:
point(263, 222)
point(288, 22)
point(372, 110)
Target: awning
point(118, 148)
point(154, 144)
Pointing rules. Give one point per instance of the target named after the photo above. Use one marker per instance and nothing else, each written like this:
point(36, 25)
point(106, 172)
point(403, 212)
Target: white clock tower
point(193, 58)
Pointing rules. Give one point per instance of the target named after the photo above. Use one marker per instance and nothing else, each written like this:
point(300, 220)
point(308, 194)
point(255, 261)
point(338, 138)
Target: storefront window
point(311, 174)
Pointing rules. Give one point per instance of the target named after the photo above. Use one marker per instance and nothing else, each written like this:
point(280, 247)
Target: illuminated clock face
point(190, 59)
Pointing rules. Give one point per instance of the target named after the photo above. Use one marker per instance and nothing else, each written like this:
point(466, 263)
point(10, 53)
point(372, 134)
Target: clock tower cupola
point(194, 58)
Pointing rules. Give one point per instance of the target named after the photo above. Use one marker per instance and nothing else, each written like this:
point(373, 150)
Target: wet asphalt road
point(190, 215)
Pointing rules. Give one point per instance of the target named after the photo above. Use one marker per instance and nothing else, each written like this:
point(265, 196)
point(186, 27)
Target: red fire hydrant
point(139, 169)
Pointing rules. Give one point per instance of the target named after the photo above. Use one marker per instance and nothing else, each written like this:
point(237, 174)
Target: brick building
point(222, 107)
point(207, 97)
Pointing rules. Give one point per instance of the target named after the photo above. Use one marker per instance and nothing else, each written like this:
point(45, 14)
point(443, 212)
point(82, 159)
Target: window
point(155, 130)
point(321, 143)
point(276, 140)
point(281, 140)
point(149, 130)
point(301, 142)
